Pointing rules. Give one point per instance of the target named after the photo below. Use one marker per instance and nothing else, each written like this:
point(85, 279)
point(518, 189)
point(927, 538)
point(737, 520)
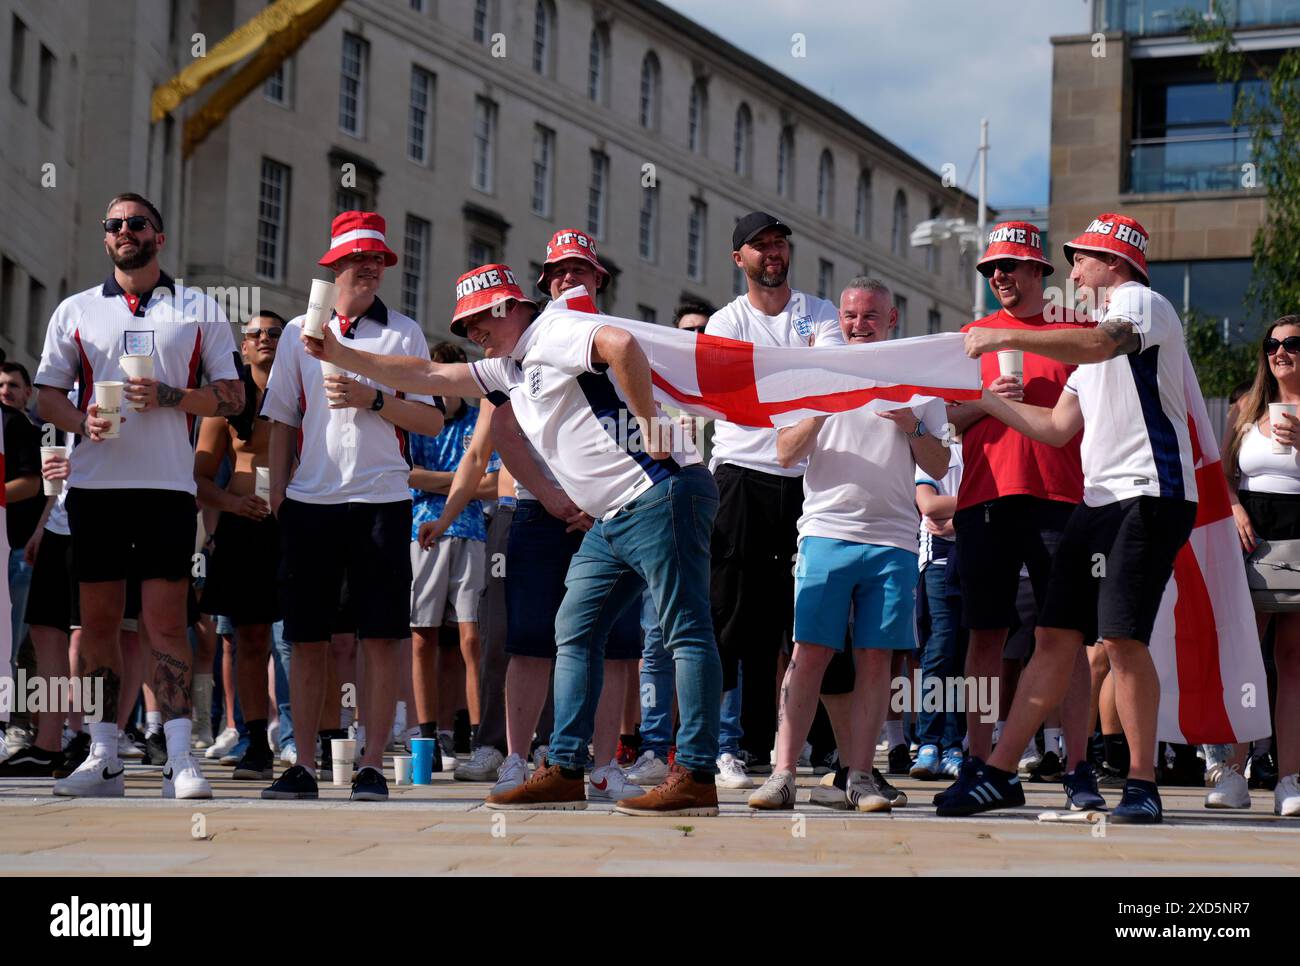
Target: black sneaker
point(1081, 788)
point(826, 763)
point(326, 770)
point(970, 767)
point(1047, 770)
point(369, 785)
point(77, 751)
point(990, 789)
point(900, 760)
point(293, 785)
point(31, 763)
point(897, 797)
point(1139, 806)
point(756, 764)
point(155, 749)
point(1263, 771)
point(258, 764)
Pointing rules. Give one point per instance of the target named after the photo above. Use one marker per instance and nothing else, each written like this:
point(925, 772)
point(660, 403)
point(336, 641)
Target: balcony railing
point(1177, 165)
point(1156, 17)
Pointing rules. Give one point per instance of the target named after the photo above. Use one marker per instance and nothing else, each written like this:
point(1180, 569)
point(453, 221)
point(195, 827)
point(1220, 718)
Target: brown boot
point(547, 788)
point(680, 794)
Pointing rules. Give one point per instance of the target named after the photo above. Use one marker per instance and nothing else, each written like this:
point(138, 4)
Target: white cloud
point(922, 72)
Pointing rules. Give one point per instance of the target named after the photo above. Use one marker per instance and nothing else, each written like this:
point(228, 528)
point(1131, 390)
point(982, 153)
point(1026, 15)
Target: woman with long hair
point(1264, 487)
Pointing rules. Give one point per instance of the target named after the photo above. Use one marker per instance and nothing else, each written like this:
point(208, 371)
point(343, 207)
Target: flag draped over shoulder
point(757, 385)
point(1205, 646)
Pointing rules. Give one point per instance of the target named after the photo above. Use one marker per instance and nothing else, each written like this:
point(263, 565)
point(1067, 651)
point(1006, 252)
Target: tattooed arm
point(223, 397)
point(1113, 337)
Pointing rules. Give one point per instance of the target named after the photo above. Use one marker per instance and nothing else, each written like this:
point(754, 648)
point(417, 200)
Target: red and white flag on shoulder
point(772, 386)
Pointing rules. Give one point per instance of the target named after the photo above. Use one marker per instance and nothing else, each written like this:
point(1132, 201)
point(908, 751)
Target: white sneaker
point(202, 734)
point(1286, 797)
point(483, 765)
point(865, 794)
point(223, 745)
point(184, 779)
point(649, 770)
point(96, 778)
point(777, 792)
point(513, 773)
point(289, 754)
point(1230, 789)
point(17, 738)
point(1032, 757)
point(732, 774)
point(273, 734)
point(126, 748)
point(68, 736)
point(609, 784)
point(828, 794)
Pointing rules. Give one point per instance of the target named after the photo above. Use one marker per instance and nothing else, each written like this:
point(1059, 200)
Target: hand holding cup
point(1008, 387)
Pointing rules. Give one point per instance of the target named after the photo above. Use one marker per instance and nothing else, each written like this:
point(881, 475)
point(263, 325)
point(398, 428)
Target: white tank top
point(1262, 470)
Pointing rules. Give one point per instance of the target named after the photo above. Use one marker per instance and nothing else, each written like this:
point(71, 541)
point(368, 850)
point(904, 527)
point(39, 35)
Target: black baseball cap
point(752, 224)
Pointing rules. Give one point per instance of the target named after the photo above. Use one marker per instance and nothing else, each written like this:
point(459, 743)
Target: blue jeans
point(20, 581)
point(658, 541)
point(656, 684)
point(730, 731)
point(943, 656)
point(280, 652)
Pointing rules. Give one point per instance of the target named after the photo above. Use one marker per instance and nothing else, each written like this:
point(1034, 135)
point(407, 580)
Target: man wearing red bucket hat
point(1139, 505)
point(567, 376)
point(1015, 497)
point(345, 511)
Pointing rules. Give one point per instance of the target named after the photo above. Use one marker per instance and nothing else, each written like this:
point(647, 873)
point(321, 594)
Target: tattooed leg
point(111, 682)
point(171, 685)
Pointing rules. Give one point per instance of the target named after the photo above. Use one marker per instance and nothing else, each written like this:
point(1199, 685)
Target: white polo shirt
point(190, 341)
point(576, 417)
point(860, 481)
point(1135, 436)
point(806, 320)
point(344, 455)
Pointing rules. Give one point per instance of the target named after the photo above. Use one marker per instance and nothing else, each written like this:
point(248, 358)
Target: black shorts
point(50, 597)
point(243, 574)
point(366, 544)
point(755, 539)
point(841, 675)
point(1273, 516)
point(1112, 567)
point(996, 539)
point(147, 534)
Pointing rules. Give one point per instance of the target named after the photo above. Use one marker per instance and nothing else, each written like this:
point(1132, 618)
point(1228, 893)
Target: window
point(45, 85)
point(36, 317)
point(276, 86)
point(650, 91)
point(695, 240)
point(485, 135)
point(825, 279)
point(597, 58)
point(862, 207)
point(417, 127)
point(417, 6)
point(7, 276)
point(647, 314)
point(272, 204)
point(785, 163)
point(543, 34)
point(543, 170)
point(346, 199)
point(649, 224)
point(1213, 289)
point(415, 256)
point(480, 26)
point(596, 194)
point(352, 92)
point(900, 330)
point(697, 118)
point(744, 153)
point(825, 185)
point(481, 253)
point(933, 322)
point(17, 50)
point(934, 253)
point(898, 240)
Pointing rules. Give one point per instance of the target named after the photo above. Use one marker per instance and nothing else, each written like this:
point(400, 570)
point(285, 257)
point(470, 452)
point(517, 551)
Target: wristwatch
point(378, 404)
point(918, 432)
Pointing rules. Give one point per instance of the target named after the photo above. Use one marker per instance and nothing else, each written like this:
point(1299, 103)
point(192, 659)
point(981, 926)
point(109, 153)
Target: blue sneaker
point(926, 766)
point(966, 772)
point(951, 762)
point(1081, 788)
point(990, 789)
point(1139, 806)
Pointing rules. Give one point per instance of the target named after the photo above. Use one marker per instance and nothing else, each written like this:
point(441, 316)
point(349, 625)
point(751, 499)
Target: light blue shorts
point(875, 586)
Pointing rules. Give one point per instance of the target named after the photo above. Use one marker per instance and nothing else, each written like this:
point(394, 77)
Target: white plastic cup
point(402, 770)
point(54, 487)
point(137, 367)
point(108, 397)
point(1011, 362)
point(262, 483)
point(344, 751)
point(319, 305)
point(1275, 410)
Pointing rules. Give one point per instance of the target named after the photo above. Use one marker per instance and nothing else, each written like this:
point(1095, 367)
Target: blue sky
point(922, 72)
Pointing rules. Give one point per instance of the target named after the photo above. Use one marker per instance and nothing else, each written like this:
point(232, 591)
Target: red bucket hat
point(357, 231)
point(1118, 235)
point(480, 289)
point(571, 243)
point(1019, 240)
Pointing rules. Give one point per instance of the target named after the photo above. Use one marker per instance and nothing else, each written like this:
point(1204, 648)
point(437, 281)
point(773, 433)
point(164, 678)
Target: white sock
point(894, 733)
point(152, 723)
point(997, 730)
point(177, 733)
point(1052, 741)
point(103, 741)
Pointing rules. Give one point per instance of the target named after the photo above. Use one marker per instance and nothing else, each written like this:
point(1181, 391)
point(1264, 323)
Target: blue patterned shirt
point(442, 453)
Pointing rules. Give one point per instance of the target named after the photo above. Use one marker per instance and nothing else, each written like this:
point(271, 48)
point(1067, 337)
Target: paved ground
point(442, 829)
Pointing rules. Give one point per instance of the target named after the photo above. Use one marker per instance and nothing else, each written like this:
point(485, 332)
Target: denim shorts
point(874, 585)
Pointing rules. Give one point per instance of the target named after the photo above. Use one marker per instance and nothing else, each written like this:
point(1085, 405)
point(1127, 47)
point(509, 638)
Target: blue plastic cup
point(422, 752)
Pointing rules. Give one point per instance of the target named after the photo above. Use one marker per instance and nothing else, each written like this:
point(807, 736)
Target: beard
point(144, 254)
point(774, 278)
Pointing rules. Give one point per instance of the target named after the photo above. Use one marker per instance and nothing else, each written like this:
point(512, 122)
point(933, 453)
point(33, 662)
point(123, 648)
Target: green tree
point(1219, 365)
point(1274, 125)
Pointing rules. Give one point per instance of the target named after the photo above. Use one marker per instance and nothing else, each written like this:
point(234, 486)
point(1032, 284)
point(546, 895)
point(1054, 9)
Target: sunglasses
point(1005, 265)
point(1291, 344)
point(272, 332)
point(135, 223)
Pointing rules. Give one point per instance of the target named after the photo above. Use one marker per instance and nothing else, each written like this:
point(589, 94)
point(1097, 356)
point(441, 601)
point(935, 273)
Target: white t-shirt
point(860, 481)
point(948, 486)
point(576, 417)
point(1135, 437)
point(1262, 470)
point(190, 341)
point(806, 320)
point(345, 455)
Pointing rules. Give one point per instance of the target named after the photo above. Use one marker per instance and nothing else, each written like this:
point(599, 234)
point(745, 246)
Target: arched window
point(785, 163)
point(597, 59)
point(650, 91)
point(898, 243)
point(543, 36)
point(744, 159)
point(862, 208)
point(825, 184)
point(698, 118)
